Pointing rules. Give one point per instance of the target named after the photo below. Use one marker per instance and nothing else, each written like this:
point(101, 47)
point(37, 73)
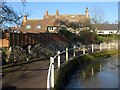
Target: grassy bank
point(69, 67)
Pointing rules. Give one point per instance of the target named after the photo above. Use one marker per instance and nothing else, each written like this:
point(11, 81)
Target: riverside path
point(32, 75)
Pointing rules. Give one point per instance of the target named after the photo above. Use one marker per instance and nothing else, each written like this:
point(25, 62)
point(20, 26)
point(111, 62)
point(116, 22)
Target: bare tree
point(72, 24)
point(8, 16)
point(97, 16)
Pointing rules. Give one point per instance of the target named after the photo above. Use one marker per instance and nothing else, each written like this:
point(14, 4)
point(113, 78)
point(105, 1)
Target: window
point(101, 32)
point(50, 28)
point(28, 26)
point(110, 32)
point(54, 28)
point(39, 26)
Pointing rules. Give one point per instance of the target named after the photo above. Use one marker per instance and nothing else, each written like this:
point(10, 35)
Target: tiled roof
point(49, 20)
point(108, 27)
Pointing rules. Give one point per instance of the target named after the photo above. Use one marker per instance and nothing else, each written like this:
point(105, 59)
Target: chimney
point(24, 21)
point(57, 12)
point(87, 12)
point(25, 18)
point(46, 13)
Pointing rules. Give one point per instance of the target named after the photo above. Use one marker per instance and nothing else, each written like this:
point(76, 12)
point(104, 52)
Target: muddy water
point(99, 74)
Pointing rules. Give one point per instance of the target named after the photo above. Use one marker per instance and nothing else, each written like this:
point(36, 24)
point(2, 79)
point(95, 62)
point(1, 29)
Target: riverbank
point(69, 67)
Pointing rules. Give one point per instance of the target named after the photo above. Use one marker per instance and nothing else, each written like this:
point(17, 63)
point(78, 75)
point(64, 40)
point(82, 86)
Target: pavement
point(31, 75)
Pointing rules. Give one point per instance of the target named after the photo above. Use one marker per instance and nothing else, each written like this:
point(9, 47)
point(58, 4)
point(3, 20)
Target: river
point(98, 74)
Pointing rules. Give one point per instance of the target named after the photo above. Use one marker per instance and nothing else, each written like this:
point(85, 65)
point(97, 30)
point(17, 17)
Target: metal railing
point(83, 49)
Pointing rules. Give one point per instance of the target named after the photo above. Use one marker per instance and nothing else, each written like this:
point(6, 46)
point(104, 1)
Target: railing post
point(58, 59)
point(52, 72)
point(83, 49)
point(92, 48)
point(74, 51)
point(10, 49)
point(100, 47)
point(92, 71)
point(66, 54)
point(116, 45)
point(29, 47)
point(108, 46)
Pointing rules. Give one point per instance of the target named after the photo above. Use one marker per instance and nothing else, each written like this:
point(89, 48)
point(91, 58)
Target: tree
point(9, 16)
point(73, 24)
point(97, 17)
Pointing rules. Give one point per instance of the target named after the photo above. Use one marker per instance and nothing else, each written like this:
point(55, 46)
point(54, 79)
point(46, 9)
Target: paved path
point(32, 75)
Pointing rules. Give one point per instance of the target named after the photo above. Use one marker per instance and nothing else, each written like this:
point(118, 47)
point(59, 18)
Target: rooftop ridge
point(67, 15)
point(34, 19)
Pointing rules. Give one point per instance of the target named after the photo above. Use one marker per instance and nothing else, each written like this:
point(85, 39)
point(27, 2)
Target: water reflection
point(98, 74)
point(91, 69)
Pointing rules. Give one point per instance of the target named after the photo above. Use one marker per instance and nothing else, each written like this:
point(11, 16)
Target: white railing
point(84, 49)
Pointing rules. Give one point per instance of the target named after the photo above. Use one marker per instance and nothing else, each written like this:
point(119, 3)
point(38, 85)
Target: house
point(50, 23)
point(106, 29)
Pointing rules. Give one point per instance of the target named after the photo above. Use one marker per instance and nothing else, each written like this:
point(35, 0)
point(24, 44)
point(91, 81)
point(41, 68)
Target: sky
point(37, 9)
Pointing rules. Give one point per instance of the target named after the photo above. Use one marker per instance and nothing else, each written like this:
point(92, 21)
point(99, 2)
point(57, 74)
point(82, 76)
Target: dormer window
point(38, 26)
point(28, 27)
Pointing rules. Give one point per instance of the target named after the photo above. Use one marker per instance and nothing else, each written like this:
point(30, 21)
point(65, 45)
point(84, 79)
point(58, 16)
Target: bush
point(69, 35)
point(4, 56)
point(86, 37)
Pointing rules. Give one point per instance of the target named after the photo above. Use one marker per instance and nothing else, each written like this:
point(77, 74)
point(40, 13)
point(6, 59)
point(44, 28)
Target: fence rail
point(84, 49)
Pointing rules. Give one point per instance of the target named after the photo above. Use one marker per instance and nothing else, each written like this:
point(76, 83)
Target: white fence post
point(83, 49)
point(116, 45)
point(29, 47)
point(92, 71)
point(108, 46)
point(92, 48)
point(66, 54)
point(52, 72)
point(74, 51)
point(58, 59)
point(100, 47)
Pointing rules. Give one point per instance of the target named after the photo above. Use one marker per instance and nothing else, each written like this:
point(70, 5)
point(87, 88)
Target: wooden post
point(74, 51)
point(83, 49)
point(92, 48)
point(52, 72)
point(100, 47)
point(58, 59)
point(66, 54)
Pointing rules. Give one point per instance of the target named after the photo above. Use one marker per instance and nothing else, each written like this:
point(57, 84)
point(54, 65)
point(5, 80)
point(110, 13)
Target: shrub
point(4, 56)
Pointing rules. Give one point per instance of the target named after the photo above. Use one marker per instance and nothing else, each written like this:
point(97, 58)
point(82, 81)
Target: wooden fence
point(21, 39)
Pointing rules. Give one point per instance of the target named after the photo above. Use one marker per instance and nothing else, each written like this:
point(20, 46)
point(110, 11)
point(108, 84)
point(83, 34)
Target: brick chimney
point(24, 21)
point(46, 13)
point(87, 12)
point(57, 12)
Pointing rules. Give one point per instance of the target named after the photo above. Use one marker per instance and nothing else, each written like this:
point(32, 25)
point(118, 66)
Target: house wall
point(106, 32)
